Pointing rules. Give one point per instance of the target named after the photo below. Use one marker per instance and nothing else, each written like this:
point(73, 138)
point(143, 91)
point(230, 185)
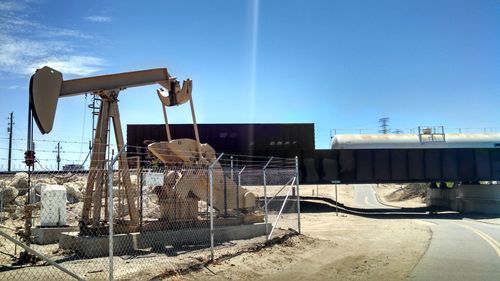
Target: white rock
point(20, 200)
point(4, 216)
point(20, 182)
point(17, 213)
point(8, 194)
point(73, 193)
point(44, 180)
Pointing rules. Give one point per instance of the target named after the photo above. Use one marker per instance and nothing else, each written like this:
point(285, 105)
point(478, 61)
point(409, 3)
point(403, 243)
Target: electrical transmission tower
point(9, 130)
point(398, 131)
point(384, 125)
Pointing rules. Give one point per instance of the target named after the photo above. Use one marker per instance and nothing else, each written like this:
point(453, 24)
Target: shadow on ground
point(322, 204)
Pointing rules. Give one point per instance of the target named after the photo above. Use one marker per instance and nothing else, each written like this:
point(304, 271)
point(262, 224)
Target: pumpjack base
point(157, 241)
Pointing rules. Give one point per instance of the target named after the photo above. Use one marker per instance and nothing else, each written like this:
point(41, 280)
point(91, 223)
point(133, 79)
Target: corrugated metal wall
point(278, 140)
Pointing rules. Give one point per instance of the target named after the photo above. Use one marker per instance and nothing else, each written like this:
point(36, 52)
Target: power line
point(46, 140)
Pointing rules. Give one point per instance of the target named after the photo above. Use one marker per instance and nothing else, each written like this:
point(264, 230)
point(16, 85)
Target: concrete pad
point(50, 235)
point(89, 246)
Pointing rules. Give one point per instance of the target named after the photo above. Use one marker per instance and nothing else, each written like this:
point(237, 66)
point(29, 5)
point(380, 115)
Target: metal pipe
point(298, 193)
point(42, 256)
point(110, 209)
point(265, 197)
point(281, 209)
point(195, 126)
point(232, 168)
point(141, 180)
point(110, 219)
point(286, 184)
point(2, 185)
point(167, 128)
point(225, 195)
point(238, 192)
point(210, 176)
point(196, 135)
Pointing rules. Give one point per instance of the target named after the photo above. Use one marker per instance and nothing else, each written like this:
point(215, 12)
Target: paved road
point(460, 250)
point(365, 198)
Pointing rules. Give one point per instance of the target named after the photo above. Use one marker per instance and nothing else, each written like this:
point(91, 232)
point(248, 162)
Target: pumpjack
point(47, 86)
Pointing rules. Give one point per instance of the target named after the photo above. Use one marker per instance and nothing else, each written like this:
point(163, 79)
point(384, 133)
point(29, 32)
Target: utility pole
point(9, 130)
point(384, 125)
point(58, 147)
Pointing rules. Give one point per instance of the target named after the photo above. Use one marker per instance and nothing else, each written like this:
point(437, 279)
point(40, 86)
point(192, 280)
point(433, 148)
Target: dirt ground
point(343, 247)
point(384, 192)
point(345, 193)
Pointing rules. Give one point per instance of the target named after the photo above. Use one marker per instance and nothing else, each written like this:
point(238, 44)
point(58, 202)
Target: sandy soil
point(345, 193)
point(383, 190)
point(343, 247)
point(332, 248)
point(147, 264)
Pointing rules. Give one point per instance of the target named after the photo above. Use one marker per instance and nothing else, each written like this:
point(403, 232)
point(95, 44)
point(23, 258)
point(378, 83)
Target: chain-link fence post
point(298, 193)
point(141, 194)
point(232, 174)
point(211, 184)
point(2, 191)
point(210, 199)
point(110, 209)
point(265, 197)
point(238, 192)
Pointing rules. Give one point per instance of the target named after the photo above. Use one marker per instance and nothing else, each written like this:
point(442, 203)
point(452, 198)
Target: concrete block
point(50, 235)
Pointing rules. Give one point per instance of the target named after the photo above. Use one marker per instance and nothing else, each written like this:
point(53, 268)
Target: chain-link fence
point(167, 216)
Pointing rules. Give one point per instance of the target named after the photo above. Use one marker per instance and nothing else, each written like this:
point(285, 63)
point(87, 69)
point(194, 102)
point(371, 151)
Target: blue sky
point(338, 64)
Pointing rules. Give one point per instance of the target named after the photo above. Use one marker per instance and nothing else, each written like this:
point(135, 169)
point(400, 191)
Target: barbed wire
point(43, 140)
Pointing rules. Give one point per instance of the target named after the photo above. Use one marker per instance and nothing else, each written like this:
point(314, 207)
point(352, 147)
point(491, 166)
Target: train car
point(416, 141)
point(394, 158)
